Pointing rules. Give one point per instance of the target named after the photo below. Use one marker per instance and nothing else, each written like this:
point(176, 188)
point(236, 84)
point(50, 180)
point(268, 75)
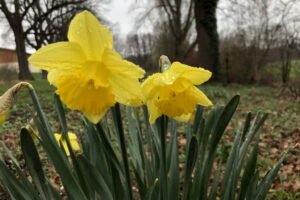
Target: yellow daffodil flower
point(32, 131)
point(3, 117)
point(89, 75)
point(73, 141)
point(173, 93)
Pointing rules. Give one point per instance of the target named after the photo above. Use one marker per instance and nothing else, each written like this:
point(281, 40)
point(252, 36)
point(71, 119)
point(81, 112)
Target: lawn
point(281, 130)
point(273, 71)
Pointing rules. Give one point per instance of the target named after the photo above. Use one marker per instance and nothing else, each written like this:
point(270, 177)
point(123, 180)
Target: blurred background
point(240, 41)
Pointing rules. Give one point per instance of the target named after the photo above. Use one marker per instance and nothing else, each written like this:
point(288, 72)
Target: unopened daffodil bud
point(31, 128)
point(7, 99)
point(164, 63)
point(73, 140)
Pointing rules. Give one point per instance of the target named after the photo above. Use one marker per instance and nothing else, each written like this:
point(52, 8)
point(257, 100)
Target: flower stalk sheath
point(7, 99)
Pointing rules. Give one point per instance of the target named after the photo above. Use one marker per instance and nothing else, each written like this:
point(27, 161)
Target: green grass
point(279, 132)
point(273, 70)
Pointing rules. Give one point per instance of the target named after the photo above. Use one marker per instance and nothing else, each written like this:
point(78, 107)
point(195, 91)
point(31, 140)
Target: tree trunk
point(24, 72)
point(207, 35)
point(178, 50)
point(44, 74)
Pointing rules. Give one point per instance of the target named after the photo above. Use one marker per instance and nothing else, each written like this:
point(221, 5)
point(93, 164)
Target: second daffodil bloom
point(89, 75)
point(3, 117)
point(173, 93)
point(73, 141)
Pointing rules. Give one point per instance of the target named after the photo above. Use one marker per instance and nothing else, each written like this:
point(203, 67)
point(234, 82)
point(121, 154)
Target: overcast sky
point(122, 16)
point(119, 13)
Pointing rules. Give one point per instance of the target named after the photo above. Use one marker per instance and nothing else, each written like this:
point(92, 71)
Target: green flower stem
point(38, 108)
point(120, 131)
point(162, 124)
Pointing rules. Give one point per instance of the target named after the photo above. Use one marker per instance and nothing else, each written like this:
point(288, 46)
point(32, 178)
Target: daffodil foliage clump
point(145, 161)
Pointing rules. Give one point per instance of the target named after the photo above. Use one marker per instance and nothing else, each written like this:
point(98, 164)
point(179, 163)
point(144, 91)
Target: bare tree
point(207, 34)
point(177, 16)
point(16, 13)
point(140, 50)
point(287, 38)
point(52, 27)
point(256, 26)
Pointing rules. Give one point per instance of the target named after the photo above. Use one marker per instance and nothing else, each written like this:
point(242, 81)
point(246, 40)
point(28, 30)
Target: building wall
point(8, 56)
point(9, 59)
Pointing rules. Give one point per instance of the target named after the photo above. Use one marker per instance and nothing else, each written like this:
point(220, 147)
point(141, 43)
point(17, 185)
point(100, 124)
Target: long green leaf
point(190, 164)
point(224, 120)
point(162, 124)
point(94, 178)
point(267, 181)
point(16, 188)
point(174, 163)
point(216, 125)
point(34, 164)
point(109, 149)
point(248, 173)
point(214, 186)
point(116, 110)
point(54, 152)
point(230, 169)
point(198, 117)
point(22, 177)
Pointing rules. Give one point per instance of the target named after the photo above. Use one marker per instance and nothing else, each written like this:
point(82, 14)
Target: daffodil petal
point(184, 117)
point(154, 111)
point(60, 55)
point(202, 99)
point(95, 118)
point(75, 145)
point(126, 90)
point(72, 135)
point(150, 86)
point(196, 75)
point(33, 133)
point(117, 65)
point(57, 136)
point(85, 96)
point(92, 36)
point(53, 76)
point(173, 104)
point(73, 140)
point(3, 117)
point(60, 141)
